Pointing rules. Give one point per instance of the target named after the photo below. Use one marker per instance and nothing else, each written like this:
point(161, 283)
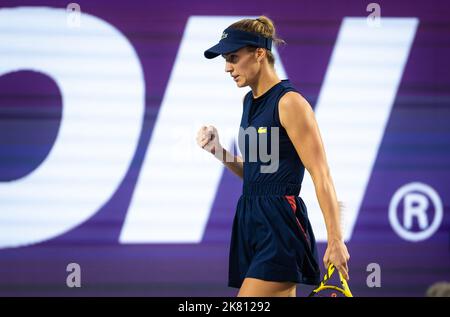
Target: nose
point(228, 67)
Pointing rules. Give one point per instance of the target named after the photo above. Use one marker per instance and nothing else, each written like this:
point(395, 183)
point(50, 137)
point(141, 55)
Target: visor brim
point(222, 48)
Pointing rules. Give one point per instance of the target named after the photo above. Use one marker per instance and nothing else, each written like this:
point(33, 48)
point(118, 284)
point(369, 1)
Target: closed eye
point(231, 58)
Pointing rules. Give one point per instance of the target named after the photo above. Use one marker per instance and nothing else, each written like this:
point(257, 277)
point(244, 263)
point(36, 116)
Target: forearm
point(336, 252)
point(232, 162)
point(328, 202)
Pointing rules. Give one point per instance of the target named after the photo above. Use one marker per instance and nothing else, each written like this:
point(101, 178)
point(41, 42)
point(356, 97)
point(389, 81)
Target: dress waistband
point(263, 189)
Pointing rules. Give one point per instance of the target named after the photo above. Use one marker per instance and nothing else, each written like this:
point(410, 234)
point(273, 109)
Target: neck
point(267, 79)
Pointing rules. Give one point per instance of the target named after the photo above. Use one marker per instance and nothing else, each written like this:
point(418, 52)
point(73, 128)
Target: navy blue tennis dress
point(272, 238)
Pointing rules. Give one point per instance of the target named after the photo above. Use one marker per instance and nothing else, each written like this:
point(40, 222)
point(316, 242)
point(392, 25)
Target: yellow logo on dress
point(262, 130)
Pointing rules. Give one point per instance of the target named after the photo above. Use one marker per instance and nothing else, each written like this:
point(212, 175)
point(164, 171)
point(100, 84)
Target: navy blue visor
point(232, 40)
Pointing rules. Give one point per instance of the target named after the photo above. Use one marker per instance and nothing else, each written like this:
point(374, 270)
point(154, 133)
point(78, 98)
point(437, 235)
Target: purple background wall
point(416, 145)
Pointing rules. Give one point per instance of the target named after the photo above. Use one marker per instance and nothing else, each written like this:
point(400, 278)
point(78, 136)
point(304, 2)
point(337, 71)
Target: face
point(243, 65)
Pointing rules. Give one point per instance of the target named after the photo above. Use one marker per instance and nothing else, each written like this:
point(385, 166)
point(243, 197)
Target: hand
point(208, 139)
point(337, 254)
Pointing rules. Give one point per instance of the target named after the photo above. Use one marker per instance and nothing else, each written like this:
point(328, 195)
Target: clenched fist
point(208, 139)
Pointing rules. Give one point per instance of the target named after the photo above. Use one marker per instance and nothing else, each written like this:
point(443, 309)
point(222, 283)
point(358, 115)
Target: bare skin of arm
point(208, 139)
point(236, 166)
point(298, 119)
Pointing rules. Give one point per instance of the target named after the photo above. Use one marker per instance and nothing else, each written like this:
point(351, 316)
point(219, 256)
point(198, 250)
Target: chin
point(241, 85)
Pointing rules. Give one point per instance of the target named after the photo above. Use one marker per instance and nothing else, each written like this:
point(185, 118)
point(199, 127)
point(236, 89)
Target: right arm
point(235, 164)
point(208, 139)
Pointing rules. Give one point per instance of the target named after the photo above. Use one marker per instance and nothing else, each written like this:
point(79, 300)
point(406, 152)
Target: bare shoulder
point(292, 99)
point(292, 107)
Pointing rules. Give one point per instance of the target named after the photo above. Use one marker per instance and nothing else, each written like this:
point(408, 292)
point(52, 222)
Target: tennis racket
point(325, 290)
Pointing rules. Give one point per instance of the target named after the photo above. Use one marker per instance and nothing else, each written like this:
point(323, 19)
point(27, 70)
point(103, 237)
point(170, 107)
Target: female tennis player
point(272, 245)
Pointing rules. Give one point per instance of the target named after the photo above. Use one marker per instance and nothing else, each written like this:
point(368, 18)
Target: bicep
point(298, 119)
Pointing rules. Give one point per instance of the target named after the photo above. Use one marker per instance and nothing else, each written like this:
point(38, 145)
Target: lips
point(235, 78)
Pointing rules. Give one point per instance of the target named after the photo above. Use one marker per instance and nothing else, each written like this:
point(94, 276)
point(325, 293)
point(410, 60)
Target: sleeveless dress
point(272, 238)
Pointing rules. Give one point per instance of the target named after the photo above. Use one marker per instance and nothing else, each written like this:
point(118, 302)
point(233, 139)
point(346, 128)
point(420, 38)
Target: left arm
point(297, 117)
